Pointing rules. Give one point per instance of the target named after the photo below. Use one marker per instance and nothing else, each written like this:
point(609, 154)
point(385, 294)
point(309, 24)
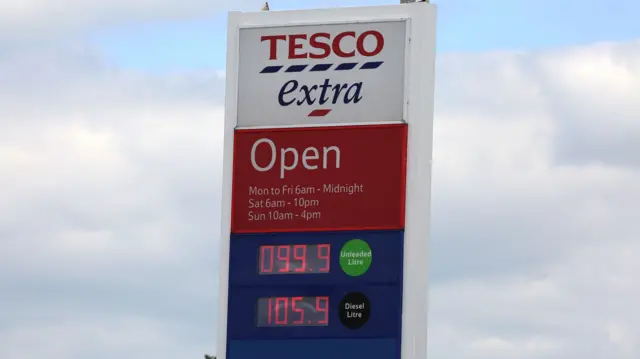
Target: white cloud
point(579, 308)
point(535, 233)
point(504, 133)
point(38, 17)
point(41, 16)
point(110, 208)
point(113, 336)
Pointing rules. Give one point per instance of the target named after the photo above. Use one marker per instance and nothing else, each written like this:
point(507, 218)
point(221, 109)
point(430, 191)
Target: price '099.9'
point(295, 259)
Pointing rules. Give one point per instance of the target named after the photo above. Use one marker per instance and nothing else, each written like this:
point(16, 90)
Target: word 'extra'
point(309, 94)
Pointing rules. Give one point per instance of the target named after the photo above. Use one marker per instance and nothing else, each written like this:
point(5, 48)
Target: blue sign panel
point(315, 295)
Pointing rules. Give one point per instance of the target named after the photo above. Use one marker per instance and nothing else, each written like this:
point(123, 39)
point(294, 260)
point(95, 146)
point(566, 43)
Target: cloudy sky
point(110, 148)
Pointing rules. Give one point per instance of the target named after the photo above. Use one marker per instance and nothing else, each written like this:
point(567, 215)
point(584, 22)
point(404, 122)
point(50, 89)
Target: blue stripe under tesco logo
point(323, 67)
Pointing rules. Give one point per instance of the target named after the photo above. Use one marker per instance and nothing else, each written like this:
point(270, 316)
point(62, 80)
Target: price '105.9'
point(295, 259)
point(293, 311)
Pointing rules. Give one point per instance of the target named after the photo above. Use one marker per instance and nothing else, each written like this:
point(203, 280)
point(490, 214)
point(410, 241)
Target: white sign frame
point(418, 113)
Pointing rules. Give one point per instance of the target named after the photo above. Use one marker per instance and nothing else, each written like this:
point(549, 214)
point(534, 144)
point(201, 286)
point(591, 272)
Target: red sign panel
point(319, 179)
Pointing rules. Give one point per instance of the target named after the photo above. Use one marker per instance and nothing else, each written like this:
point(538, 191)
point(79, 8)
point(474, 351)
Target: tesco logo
point(323, 45)
point(346, 45)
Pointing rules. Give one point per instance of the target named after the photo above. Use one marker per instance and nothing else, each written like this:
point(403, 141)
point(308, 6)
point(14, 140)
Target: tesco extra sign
point(321, 74)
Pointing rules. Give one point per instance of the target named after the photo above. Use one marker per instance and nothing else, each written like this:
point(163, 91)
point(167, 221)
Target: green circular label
point(355, 257)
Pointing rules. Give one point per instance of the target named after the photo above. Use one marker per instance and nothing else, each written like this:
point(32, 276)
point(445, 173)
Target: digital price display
point(293, 311)
point(294, 259)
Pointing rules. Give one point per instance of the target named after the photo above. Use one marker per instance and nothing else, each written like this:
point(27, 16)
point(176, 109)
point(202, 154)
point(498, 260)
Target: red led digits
point(300, 254)
point(284, 257)
point(294, 259)
point(294, 307)
point(323, 308)
point(284, 307)
point(269, 310)
point(293, 311)
point(324, 253)
point(266, 255)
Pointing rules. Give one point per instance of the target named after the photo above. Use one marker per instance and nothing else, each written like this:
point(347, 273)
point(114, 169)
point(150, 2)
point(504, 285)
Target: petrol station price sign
point(326, 183)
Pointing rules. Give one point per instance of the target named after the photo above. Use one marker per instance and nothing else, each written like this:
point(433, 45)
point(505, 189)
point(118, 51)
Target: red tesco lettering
point(321, 45)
